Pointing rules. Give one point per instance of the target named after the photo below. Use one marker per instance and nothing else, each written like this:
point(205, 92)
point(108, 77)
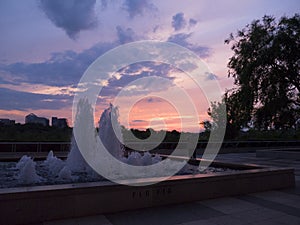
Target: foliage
point(270, 135)
point(170, 136)
point(207, 125)
point(34, 132)
point(265, 68)
point(216, 113)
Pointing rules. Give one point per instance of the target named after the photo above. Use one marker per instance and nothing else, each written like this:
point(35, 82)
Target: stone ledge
point(27, 205)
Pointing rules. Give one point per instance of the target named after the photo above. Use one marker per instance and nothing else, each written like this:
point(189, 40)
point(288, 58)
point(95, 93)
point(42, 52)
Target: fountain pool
point(39, 191)
point(53, 170)
point(36, 204)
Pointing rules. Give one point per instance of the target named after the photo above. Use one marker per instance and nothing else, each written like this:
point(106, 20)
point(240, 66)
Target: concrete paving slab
point(280, 207)
point(92, 220)
point(280, 197)
point(289, 210)
point(225, 220)
point(256, 215)
point(229, 205)
point(174, 214)
point(284, 220)
point(220, 220)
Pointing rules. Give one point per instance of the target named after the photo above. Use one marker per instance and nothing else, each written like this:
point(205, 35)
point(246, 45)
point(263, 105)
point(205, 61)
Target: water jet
point(36, 199)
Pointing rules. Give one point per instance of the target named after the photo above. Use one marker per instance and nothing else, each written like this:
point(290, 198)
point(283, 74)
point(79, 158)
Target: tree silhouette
point(265, 67)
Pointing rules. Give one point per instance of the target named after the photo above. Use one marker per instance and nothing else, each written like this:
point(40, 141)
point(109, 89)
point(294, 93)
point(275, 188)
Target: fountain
point(81, 192)
point(27, 171)
point(75, 169)
point(107, 133)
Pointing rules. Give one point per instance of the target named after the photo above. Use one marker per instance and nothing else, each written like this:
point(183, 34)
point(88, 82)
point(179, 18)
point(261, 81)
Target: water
point(109, 135)
point(27, 172)
point(74, 169)
point(10, 174)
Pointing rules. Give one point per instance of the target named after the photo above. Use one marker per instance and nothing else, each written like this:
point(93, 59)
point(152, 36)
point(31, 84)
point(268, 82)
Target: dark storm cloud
point(138, 7)
point(70, 15)
point(18, 100)
point(182, 39)
point(125, 35)
point(178, 21)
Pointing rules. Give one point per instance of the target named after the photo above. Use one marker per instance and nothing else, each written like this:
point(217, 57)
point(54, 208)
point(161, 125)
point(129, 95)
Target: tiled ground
point(272, 207)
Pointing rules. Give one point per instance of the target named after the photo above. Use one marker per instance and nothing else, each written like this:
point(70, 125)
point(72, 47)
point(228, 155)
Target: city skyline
point(47, 45)
point(55, 121)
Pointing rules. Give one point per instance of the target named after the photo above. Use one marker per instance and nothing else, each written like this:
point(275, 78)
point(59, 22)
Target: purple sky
point(47, 45)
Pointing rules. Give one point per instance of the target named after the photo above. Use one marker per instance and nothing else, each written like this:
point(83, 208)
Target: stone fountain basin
point(26, 205)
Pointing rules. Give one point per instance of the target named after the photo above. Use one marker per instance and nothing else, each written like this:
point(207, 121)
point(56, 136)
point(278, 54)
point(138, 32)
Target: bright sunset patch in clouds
point(47, 45)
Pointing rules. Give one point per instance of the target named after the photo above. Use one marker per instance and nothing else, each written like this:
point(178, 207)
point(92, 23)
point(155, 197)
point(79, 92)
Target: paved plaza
point(266, 208)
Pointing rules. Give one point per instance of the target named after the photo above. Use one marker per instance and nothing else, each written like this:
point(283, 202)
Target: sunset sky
point(45, 47)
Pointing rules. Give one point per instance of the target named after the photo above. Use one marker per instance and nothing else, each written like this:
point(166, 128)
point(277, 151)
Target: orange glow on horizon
point(159, 115)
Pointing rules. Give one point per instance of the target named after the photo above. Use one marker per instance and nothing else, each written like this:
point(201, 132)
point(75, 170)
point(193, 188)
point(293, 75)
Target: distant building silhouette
point(32, 118)
point(7, 122)
point(59, 122)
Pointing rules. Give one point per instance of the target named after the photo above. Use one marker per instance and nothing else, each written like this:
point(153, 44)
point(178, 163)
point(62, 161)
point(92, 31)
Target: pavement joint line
point(293, 211)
